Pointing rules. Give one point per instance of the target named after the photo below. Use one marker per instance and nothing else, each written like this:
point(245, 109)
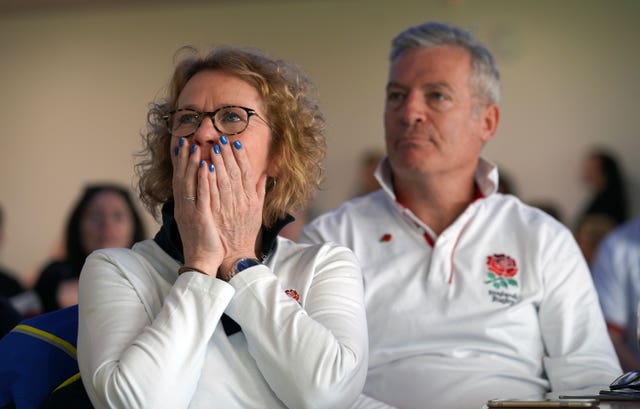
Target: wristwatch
point(242, 264)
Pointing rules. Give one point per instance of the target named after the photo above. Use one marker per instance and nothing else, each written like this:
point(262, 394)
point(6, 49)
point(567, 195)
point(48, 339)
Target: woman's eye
point(188, 118)
point(230, 116)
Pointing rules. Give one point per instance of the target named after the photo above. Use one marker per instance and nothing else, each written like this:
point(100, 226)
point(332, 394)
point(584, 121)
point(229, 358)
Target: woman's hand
point(237, 200)
point(223, 222)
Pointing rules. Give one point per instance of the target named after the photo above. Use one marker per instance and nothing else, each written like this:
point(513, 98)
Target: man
point(470, 294)
point(616, 274)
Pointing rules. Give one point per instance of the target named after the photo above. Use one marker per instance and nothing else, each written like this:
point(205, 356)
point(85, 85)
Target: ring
point(190, 198)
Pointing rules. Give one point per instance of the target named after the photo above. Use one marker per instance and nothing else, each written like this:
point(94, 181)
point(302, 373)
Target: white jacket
point(500, 304)
point(149, 338)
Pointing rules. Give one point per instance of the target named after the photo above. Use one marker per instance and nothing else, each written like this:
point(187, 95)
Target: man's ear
point(489, 117)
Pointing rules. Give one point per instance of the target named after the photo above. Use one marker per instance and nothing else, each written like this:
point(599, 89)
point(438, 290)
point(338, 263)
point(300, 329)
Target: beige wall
point(76, 83)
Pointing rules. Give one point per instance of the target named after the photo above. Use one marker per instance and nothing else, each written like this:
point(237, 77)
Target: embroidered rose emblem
point(501, 270)
point(385, 238)
point(293, 294)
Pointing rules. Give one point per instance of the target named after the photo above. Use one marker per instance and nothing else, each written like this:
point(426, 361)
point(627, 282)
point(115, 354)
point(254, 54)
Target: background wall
point(76, 82)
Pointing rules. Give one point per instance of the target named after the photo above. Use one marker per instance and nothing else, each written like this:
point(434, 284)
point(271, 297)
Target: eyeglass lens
point(226, 120)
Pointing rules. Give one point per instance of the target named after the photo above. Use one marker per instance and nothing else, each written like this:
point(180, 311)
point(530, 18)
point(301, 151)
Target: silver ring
point(190, 198)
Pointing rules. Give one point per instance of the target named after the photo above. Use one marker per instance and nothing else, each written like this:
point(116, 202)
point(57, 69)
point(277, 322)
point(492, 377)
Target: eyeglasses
point(228, 120)
point(629, 380)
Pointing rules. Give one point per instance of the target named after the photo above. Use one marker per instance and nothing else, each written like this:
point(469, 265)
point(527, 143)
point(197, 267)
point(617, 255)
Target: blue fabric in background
point(36, 357)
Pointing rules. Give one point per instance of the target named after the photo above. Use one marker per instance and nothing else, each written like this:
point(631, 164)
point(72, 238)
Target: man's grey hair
point(485, 78)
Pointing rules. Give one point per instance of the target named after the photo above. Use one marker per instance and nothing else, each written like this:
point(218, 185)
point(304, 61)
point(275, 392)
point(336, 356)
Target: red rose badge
point(385, 238)
point(293, 294)
point(501, 270)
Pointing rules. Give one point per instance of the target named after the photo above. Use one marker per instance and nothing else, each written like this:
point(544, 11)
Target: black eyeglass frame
point(203, 114)
point(628, 380)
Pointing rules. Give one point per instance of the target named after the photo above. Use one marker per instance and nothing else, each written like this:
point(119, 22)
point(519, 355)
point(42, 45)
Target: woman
point(607, 207)
point(603, 176)
point(105, 216)
point(217, 311)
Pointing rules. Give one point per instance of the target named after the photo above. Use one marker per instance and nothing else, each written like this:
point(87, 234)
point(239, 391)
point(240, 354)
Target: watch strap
point(242, 264)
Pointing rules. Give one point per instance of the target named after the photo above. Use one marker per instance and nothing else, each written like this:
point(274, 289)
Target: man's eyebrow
point(427, 86)
point(437, 85)
point(392, 84)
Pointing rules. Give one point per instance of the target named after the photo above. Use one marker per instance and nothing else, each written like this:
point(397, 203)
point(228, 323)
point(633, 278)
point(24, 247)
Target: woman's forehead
point(219, 87)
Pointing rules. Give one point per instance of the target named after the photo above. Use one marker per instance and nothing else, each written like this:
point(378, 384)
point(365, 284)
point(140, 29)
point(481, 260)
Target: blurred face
point(209, 90)
point(592, 175)
point(106, 222)
point(433, 123)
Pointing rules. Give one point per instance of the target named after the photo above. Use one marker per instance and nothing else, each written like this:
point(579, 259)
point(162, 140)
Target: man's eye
point(395, 96)
point(437, 96)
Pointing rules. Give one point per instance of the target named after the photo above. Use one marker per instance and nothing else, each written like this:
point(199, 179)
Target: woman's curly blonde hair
point(297, 141)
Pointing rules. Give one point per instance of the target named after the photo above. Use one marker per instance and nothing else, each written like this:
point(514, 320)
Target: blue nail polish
point(224, 140)
point(216, 149)
point(237, 144)
point(181, 142)
point(176, 150)
point(201, 163)
point(211, 167)
point(193, 148)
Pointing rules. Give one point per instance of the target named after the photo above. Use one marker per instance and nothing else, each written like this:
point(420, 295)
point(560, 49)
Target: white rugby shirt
point(500, 304)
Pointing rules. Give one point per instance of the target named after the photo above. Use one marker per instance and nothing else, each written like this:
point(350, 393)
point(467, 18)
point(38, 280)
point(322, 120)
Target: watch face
point(246, 263)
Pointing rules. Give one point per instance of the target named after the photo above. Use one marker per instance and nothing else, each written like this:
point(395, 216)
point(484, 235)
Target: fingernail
point(201, 163)
point(181, 142)
point(176, 150)
point(216, 149)
point(211, 167)
point(223, 140)
point(193, 148)
point(237, 144)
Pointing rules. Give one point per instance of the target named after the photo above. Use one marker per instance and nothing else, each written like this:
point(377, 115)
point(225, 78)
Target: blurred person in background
point(105, 216)
point(9, 287)
point(591, 230)
point(616, 275)
point(9, 284)
point(607, 206)
point(602, 174)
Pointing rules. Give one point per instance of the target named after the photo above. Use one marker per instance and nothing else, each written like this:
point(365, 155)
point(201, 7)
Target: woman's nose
point(206, 134)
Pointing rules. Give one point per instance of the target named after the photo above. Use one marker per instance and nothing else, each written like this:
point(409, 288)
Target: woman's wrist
point(186, 268)
point(200, 266)
point(232, 266)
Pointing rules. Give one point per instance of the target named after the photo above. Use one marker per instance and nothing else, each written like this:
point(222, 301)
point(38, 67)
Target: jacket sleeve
point(609, 272)
point(312, 357)
point(131, 360)
point(579, 350)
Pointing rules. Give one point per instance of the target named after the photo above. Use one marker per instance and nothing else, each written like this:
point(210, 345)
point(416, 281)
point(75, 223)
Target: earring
point(271, 183)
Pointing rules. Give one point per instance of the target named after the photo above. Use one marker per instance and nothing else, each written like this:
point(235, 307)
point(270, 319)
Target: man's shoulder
point(341, 224)
point(359, 207)
point(515, 210)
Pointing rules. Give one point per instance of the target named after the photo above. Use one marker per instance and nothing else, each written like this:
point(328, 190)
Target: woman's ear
point(271, 182)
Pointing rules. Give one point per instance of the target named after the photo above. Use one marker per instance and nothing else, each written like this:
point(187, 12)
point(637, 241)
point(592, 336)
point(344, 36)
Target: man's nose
point(414, 109)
